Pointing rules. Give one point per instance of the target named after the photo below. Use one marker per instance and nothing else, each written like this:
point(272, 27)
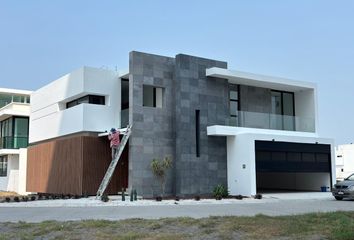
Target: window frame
point(89, 98)
point(3, 166)
point(235, 88)
point(154, 96)
point(282, 106)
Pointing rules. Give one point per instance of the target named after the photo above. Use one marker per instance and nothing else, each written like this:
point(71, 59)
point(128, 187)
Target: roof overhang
point(9, 152)
point(256, 80)
point(228, 131)
point(15, 109)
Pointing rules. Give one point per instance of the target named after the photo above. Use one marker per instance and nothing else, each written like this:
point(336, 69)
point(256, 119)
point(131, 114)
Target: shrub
point(7, 199)
point(24, 198)
point(159, 198)
point(197, 197)
point(258, 196)
point(220, 192)
point(177, 198)
point(104, 198)
point(16, 199)
point(239, 197)
point(33, 198)
point(159, 169)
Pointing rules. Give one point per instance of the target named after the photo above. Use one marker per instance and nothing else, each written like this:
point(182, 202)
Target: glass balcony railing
point(13, 142)
point(272, 121)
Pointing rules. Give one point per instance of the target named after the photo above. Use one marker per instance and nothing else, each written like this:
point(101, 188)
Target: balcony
point(13, 142)
point(272, 121)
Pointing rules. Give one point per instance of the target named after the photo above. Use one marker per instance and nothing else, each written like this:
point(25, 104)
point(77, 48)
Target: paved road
point(281, 207)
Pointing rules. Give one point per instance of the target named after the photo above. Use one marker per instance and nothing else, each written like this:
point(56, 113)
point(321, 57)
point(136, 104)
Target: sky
point(304, 40)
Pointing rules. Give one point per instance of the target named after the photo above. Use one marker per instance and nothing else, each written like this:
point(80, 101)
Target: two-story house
point(251, 133)
point(14, 121)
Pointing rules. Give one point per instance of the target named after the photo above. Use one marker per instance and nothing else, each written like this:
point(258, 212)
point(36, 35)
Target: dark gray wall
point(153, 134)
point(255, 106)
point(199, 175)
point(171, 130)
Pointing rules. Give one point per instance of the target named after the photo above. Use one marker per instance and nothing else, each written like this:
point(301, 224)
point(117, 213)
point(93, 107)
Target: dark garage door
point(275, 159)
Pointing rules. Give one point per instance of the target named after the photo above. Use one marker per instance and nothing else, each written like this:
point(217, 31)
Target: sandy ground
point(7, 194)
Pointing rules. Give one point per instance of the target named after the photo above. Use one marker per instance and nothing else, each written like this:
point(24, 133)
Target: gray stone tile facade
point(171, 130)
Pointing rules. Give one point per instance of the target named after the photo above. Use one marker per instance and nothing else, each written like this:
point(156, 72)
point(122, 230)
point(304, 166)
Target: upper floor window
point(3, 166)
point(6, 99)
point(282, 110)
point(234, 104)
point(91, 99)
point(152, 96)
point(14, 133)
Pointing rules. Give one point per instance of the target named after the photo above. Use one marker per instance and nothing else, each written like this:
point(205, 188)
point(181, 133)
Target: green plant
point(159, 169)
point(220, 192)
point(104, 198)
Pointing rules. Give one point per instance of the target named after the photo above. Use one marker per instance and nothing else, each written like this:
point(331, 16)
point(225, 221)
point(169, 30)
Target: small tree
point(159, 169)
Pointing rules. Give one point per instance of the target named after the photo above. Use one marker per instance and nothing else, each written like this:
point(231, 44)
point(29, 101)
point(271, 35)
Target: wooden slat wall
point(55, 167)
point(74, 165)
point(97, 157)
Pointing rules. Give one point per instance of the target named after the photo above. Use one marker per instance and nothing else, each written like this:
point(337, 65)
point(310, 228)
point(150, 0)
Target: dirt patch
point(8, 194)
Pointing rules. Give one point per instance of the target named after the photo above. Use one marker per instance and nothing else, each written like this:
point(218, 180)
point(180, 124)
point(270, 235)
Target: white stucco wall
point(241, 169)
point(344, 160)
point(50, 118)
point(22, 172)
point(306, 110)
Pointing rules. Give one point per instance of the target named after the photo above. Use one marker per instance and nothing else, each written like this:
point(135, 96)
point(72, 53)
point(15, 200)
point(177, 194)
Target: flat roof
point(15, 91)
point(257, 80)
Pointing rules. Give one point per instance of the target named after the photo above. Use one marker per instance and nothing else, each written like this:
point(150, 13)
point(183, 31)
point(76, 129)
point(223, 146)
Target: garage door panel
point(291, 167)
point(292, 157)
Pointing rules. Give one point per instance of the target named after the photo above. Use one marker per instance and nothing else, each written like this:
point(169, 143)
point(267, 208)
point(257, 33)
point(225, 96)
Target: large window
point(14, 133)
point(20, 139)
point(234, 105)
point(3, 166)
point(152, 96)
point(91, 99)
point(9, 98)
point(282, 110)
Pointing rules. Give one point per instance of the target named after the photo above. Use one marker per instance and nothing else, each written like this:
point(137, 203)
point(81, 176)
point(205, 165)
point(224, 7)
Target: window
point(197, 132)
point(91, 99)
point(234, 104)
point(282, 110)
point(3, 166)
point(152, 96)
point(20, 139)
point(5, 99)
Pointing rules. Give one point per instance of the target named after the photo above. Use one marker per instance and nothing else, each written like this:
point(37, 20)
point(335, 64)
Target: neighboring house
point(251, 133)
point(14, 119)
point(344, 160)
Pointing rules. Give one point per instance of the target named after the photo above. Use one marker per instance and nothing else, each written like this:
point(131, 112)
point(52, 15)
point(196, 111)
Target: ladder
point(107, 177)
